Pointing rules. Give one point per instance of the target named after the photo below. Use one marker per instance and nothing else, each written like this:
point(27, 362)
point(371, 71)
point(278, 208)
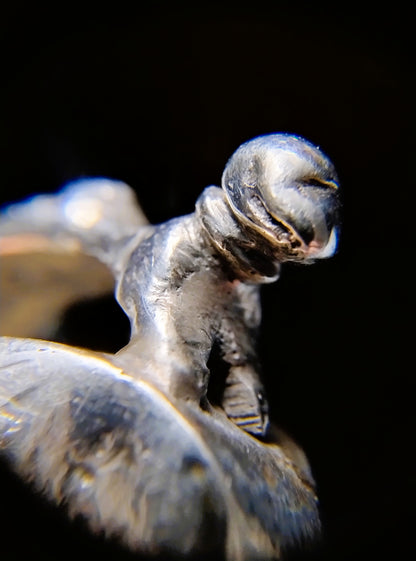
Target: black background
point(160, 98)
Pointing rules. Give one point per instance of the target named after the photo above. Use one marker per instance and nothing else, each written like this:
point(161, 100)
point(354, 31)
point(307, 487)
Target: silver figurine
point(132, 441)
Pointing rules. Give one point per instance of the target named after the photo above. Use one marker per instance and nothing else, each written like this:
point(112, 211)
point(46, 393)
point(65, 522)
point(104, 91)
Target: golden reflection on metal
point(158, 444)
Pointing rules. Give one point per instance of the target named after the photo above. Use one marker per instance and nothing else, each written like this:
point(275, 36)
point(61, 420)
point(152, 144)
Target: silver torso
point(185, 296)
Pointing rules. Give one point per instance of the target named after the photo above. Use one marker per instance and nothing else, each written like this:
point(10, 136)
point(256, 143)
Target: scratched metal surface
point(130, 440)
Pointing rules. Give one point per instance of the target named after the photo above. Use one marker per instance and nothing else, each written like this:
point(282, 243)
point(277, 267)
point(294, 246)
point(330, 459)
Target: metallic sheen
point(132, 439)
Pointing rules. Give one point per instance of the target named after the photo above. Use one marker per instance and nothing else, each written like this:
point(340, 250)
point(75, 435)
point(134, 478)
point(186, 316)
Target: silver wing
point(61, 248)
point(163, 476)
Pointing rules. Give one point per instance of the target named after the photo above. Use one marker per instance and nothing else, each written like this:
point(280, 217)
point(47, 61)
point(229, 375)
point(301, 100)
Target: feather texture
point(160, 475)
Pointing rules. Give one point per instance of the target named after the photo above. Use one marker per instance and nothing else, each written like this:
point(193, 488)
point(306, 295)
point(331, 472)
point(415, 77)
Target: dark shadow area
point(98, 324)
point(218, 372)
point(160, 98)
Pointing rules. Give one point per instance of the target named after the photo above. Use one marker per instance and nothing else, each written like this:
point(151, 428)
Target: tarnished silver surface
point(132, 439)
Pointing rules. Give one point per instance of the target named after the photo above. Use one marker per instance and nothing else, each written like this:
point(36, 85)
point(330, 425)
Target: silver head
point(284, 191)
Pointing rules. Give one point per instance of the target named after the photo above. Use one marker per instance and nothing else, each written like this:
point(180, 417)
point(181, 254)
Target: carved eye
point(323, 184)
